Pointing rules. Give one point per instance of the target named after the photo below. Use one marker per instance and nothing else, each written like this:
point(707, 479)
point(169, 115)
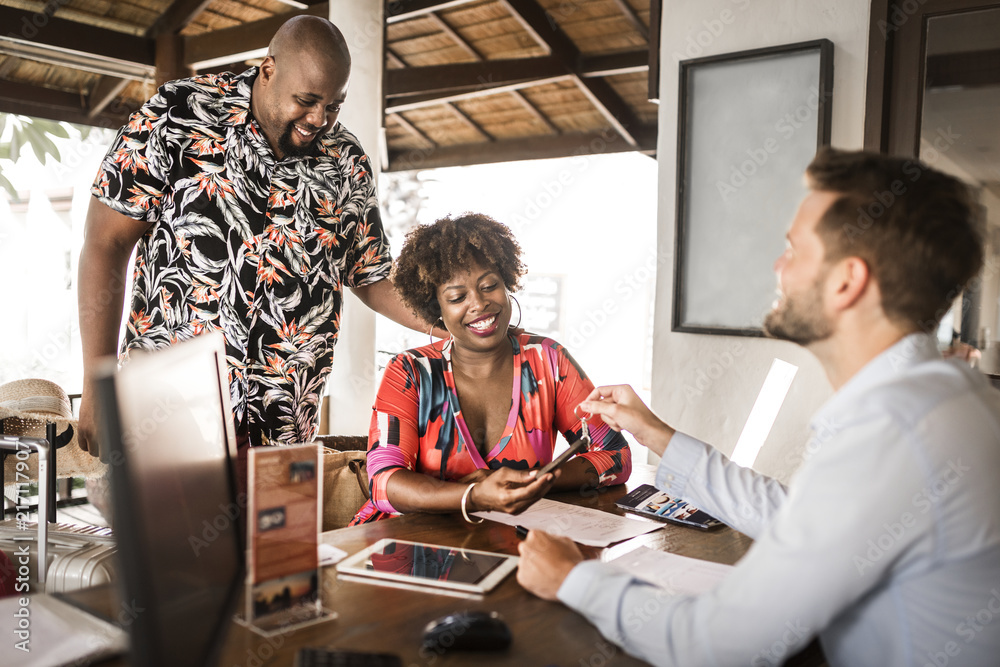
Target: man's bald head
point(301, 85)
point(310, 37)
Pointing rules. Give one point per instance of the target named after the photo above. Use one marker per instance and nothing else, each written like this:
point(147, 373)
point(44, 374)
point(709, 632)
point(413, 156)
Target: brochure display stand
point(283, 525)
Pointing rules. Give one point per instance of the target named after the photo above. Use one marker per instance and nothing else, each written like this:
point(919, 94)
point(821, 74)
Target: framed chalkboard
point(748, 125)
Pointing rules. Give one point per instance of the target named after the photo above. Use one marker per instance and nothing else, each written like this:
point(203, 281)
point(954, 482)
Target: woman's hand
point(508, 490)
point(621, 408)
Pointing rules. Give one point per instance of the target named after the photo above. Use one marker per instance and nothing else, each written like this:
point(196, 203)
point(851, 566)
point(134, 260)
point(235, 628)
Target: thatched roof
point(466, 81)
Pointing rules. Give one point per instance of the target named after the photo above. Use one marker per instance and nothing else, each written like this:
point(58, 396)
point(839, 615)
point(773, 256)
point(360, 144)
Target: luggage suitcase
point(78, 556)
point(74, 556)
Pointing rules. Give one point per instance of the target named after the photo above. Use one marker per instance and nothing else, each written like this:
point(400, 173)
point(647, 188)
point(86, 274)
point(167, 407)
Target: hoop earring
point(430, 332)
point(518, 310)
point(430, 335)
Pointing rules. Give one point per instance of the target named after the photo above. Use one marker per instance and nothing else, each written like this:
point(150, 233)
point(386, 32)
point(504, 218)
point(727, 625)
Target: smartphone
point(575, 448)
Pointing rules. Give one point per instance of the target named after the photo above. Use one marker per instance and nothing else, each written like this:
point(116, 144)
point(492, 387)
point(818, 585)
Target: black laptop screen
point(168, 429)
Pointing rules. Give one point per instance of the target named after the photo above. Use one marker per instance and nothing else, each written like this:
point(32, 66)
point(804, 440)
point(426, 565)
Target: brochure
point(650, 502)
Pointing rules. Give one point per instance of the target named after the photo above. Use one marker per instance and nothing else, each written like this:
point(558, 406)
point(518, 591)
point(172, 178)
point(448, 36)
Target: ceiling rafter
point(241, 42)
point(475, 53)
point(413, 129)
point(467, 120)
point(178, 16)
point(598, 91)
point(529, 148)
point(104, 93)
point(458, 113)
point(402, 10)
point(488, 74)
point(481, 75)
point(61, 41)
point(633, 18)
point(406, 88)
point(9, 64)
point(423, 101)
point(29, 100)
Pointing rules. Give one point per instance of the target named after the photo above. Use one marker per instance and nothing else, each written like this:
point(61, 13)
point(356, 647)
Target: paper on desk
point(581, 524)
point(57, 633)
point(329, 554)
point(678, 575)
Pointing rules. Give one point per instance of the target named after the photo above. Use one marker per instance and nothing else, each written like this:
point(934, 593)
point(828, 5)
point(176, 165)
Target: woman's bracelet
point(465, 499)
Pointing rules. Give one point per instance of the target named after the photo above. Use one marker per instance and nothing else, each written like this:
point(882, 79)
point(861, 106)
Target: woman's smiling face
point(475, 307)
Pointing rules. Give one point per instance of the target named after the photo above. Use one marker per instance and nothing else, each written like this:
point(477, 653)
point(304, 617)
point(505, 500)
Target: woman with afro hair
point(462, 425)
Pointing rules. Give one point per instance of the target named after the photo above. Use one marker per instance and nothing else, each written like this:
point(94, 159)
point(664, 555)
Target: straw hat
point(25, 408)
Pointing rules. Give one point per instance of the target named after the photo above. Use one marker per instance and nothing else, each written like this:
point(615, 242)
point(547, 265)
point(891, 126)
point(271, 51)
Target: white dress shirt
point(886, 543)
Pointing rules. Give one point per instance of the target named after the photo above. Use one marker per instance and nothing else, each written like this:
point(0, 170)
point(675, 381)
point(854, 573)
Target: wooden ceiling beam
point(104, 93)
point(402, 10)
point(613, 64)
point(9, 64)
point(443, 26)
point(472, 51)
point(177, 16)
point(633, 18)
point(412, 129)
point(432, 99)
point(467, 120)
point(534, 111)
point(28, 100)
point(393, 58)
point(71, 44)
point(528, 148)
point(242, 42)
point(488, 74)
point(653, 76)
point(604, 98)
point(466, 76)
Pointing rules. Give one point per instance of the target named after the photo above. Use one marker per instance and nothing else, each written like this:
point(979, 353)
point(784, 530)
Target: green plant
point(34, 132)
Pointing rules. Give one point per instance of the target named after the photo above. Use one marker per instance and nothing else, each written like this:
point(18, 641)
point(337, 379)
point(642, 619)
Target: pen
point(522, 532)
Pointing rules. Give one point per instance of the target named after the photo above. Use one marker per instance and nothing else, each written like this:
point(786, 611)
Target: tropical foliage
point(17, 132)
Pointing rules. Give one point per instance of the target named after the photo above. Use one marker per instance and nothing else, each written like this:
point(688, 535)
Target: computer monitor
point(167, 424)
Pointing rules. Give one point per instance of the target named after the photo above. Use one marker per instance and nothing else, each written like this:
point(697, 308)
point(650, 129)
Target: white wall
point(352, 382)
point(706, 385)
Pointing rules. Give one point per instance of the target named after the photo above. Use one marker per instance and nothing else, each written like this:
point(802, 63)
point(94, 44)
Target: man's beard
point(290, 149)
point(800, 319)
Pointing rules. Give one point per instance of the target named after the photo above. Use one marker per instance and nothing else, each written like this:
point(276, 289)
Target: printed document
point(581, 524)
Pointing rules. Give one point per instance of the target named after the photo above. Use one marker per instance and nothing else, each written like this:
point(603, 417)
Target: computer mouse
point(467, 631)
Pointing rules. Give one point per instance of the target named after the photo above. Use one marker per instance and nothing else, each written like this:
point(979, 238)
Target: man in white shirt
point(886, 544)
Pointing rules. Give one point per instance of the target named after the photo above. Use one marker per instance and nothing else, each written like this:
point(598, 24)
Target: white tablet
point(430, 565)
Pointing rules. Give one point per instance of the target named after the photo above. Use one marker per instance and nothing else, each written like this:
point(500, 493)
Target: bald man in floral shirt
point(250, 207)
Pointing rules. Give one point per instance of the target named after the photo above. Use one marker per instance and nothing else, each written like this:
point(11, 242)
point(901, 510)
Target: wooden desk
point(377, 618)
point(389, 619)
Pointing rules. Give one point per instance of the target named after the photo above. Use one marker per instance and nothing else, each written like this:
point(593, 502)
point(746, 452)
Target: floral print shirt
point(242, 243)
point(417, 423)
